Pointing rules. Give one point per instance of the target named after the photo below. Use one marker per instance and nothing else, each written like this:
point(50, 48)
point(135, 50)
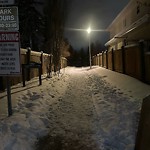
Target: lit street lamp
point(89, 31)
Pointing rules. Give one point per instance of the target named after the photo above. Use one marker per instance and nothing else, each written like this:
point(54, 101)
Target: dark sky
point(95, 13)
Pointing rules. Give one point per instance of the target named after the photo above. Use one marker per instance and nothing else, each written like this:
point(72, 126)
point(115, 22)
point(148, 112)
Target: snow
point(97, 108)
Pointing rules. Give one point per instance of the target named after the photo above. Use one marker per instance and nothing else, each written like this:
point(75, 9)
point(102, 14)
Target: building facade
point(128, 50)
point(131, 26)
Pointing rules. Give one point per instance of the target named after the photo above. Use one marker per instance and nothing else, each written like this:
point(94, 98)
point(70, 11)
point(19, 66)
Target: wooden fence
point(131, 60)
point(39, 57)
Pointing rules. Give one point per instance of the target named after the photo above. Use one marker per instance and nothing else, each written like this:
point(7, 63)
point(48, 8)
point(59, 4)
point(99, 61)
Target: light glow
point(89, 30)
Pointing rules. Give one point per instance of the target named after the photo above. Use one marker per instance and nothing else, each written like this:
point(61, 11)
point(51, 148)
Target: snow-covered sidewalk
point(96, 109)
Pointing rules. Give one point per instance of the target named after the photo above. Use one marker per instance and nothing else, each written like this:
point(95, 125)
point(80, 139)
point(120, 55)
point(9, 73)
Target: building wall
point(131, 25)
point(130, 29)
point(130, 14)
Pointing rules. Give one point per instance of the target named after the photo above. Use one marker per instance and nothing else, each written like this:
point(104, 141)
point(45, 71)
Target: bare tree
point(30, 23)
point(65, 48)
point(55, 12)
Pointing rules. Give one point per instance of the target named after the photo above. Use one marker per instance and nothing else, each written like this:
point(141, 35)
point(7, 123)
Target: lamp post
point(89, 31)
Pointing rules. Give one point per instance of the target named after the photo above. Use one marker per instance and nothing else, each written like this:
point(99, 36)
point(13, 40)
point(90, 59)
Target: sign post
point(9, 60)
point(9, 97)
point(9, 45)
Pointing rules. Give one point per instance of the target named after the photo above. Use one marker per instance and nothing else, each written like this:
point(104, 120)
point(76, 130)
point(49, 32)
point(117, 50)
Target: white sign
point(9, 53)
point(6, 2)
point(9, 18)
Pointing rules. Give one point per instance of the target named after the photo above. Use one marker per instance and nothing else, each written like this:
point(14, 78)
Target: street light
point(89, 31)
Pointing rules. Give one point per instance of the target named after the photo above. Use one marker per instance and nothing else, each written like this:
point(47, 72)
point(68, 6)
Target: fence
point(38, 57)
point(132, 60)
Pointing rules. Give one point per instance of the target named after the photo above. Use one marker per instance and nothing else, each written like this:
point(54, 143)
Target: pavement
point(128, 85)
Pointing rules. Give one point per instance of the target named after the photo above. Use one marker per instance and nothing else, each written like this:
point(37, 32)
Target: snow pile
point(29, 120)
point(81, 108)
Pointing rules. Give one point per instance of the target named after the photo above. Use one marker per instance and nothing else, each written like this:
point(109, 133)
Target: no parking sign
point(9, 53)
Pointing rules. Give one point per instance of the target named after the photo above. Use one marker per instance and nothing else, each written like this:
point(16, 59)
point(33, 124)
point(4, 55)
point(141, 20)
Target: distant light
point(89, 30)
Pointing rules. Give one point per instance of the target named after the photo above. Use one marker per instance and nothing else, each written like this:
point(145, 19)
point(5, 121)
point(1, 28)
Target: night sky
point(97, 14)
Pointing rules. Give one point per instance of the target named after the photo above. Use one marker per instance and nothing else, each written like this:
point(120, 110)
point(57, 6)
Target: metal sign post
point(9, 60)
point(9, 97)
point(9, 45)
